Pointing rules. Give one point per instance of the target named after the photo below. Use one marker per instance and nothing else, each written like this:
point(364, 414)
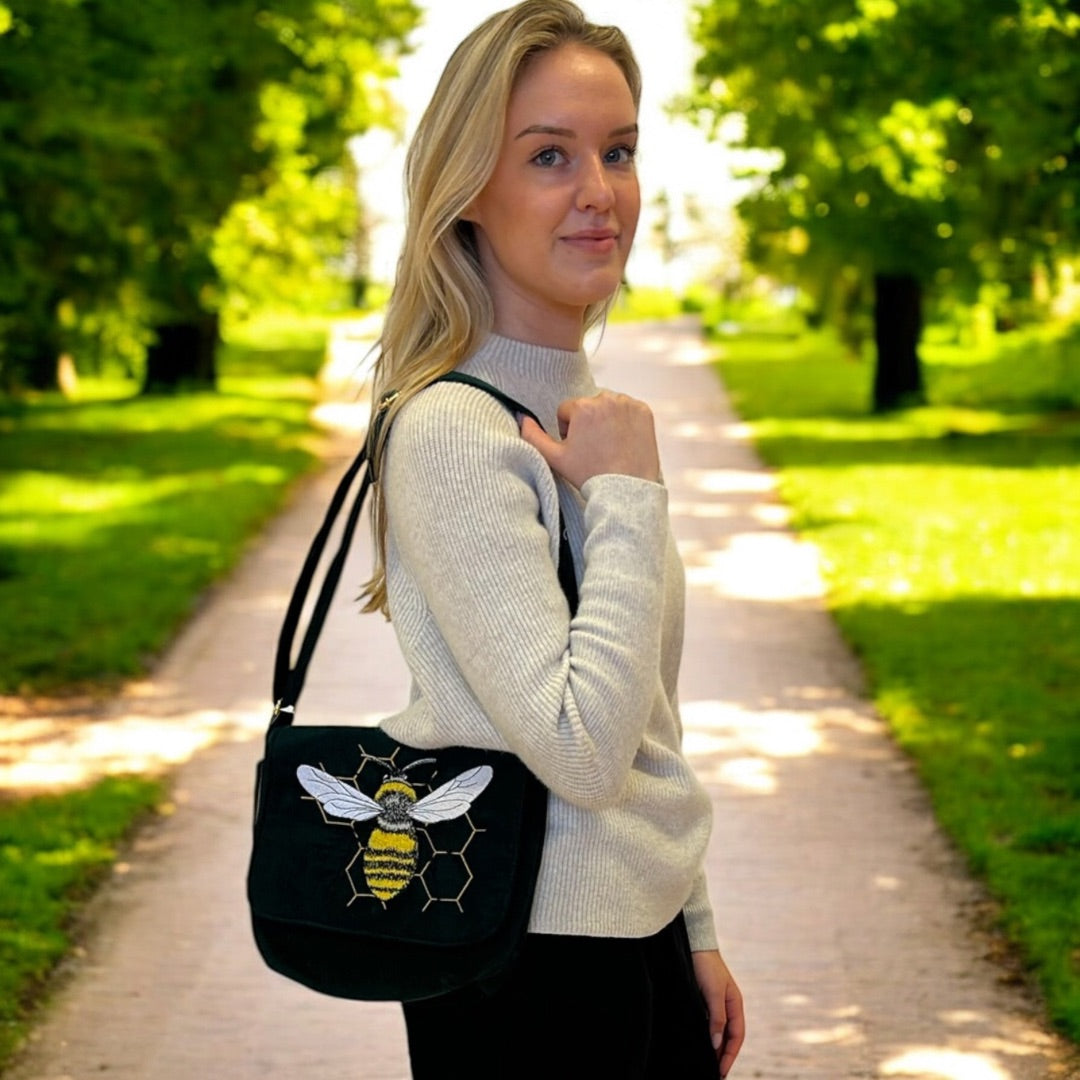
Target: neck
point(561, 328)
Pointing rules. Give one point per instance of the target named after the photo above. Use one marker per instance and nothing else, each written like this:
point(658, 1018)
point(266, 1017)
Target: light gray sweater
point(588, 704)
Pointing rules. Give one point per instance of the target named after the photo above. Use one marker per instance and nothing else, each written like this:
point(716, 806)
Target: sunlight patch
point(838, 1035)
point(757, 566)
point(728, 481)
point(720, 726)
point(755, 775)
point(931, 1063)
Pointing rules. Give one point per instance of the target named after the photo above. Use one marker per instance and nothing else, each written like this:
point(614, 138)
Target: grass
point(117, 511)
point(950, 538)
point(53, 850)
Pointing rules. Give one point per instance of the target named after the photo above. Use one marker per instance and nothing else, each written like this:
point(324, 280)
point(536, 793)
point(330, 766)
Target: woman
point(523, 201)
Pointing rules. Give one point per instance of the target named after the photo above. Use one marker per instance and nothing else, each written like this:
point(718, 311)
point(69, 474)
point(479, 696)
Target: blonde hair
point(441, 309)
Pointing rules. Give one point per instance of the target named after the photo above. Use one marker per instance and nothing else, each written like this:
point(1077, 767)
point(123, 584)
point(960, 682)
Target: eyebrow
point(566, 133)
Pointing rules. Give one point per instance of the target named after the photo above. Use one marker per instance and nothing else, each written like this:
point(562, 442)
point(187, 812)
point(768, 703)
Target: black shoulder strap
point(288, 675)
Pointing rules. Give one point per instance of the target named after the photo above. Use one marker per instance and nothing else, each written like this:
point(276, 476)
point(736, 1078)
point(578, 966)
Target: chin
point(599, 292)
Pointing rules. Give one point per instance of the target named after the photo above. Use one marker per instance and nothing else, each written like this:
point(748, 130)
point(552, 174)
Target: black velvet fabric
point(460, 916)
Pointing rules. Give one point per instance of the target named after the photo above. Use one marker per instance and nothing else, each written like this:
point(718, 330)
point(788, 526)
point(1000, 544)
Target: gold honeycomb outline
point(388, 764)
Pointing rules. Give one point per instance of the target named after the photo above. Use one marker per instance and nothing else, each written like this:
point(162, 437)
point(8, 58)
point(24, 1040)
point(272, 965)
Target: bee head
point(399, 774)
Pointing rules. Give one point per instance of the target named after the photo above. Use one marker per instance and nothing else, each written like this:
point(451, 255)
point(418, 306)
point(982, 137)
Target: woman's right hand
point(608, 433)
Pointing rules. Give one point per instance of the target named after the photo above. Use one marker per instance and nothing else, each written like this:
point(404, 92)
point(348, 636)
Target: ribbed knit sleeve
point(470, 507)
point(698, 913)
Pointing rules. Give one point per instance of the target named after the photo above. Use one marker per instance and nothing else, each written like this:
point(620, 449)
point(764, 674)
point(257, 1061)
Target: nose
point(594, 190)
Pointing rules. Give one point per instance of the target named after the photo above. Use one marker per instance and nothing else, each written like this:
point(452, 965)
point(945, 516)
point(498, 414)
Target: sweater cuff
point(700, 925)
point(627, 511)
point(622, 486)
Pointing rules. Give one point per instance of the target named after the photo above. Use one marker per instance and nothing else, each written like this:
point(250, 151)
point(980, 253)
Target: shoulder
point(449, 432)
point(457, 466)
point(444, 409)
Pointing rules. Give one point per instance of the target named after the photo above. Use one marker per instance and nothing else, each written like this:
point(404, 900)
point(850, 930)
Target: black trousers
point(595, 1008)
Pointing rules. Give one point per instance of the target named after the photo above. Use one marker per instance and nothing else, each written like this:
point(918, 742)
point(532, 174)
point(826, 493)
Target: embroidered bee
point(391, 853)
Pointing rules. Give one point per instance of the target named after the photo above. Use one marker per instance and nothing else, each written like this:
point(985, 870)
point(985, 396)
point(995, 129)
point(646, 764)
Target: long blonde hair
point(441, 309)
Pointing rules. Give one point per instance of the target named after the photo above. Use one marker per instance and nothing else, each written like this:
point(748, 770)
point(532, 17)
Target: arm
point(465, 494)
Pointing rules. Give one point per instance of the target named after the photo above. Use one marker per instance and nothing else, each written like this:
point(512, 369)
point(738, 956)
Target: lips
point(593, 241)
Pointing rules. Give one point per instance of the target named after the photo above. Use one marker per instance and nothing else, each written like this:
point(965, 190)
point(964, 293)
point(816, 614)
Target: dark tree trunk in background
point(183, 357)
point(29, 353)
point(897, 329)
point(40, 370)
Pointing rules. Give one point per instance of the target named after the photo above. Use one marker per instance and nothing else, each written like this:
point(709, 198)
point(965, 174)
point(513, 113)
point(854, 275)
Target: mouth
point(593, 241)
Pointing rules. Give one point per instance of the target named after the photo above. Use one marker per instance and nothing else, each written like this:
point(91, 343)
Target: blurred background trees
point(164, 165)
point(160, 161)
point(925, 148)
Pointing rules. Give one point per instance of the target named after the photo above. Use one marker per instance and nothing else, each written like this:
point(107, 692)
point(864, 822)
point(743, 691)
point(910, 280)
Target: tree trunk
point(183, 357)
point(40, 371)
point(897, 329)
point(29, 355)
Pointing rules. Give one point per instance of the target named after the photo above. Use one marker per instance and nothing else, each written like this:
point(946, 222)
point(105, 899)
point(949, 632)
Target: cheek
point(628, 210)
point(632, 203)
point(491, 207)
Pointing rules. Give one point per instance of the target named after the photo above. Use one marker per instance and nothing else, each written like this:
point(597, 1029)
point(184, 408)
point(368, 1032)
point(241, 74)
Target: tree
point(59, 239)
point(921, 143)
point(313, 90)
point(292, 243)
point(128, 131)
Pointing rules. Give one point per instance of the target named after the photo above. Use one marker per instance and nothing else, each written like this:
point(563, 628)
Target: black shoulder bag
point(378, 871)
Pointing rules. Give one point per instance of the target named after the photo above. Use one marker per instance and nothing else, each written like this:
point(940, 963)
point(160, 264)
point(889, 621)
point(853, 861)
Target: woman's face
point(555, 222)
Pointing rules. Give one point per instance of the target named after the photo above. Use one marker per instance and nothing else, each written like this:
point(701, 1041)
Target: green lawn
point(116, 511)
point(53, 851)
point(950, 538)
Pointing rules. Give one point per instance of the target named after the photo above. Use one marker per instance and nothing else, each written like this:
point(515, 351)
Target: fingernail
point(717, 1039)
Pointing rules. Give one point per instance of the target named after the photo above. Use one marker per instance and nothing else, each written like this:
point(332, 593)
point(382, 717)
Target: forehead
point(571, 76)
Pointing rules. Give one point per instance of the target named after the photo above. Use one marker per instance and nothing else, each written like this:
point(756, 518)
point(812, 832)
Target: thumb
point(540, 440)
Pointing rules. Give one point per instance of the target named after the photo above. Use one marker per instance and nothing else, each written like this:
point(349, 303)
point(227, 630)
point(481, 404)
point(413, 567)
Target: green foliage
point(641, 302)
point(950, 538)
point(128, 131)
point(115, 514)
point(278, 342)
point(53, 849)
point(932, 138)
point(286, 247)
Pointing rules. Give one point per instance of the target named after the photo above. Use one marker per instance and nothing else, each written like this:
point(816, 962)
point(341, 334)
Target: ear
point(471, 213)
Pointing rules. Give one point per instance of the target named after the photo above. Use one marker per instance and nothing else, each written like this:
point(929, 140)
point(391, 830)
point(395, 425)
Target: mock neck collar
point(538, 376)
point(540, 363)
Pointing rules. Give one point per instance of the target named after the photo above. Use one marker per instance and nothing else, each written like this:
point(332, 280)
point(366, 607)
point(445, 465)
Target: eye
point(621, 155)
point(548, 157)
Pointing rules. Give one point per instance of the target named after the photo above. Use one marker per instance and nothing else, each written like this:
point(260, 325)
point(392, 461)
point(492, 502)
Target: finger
point(727, 1058)
point(734, 1034)
point(538, 438)
point(718, 1030)
point(565, 413)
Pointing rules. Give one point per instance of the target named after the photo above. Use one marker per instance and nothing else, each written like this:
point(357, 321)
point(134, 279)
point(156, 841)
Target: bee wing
point(337, 798)
point(454, 797)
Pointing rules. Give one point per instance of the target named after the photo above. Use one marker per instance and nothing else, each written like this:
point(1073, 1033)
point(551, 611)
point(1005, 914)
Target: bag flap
point(450, 880)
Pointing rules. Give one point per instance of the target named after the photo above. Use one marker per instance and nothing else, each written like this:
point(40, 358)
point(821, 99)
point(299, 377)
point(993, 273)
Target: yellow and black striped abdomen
point(390, 861)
